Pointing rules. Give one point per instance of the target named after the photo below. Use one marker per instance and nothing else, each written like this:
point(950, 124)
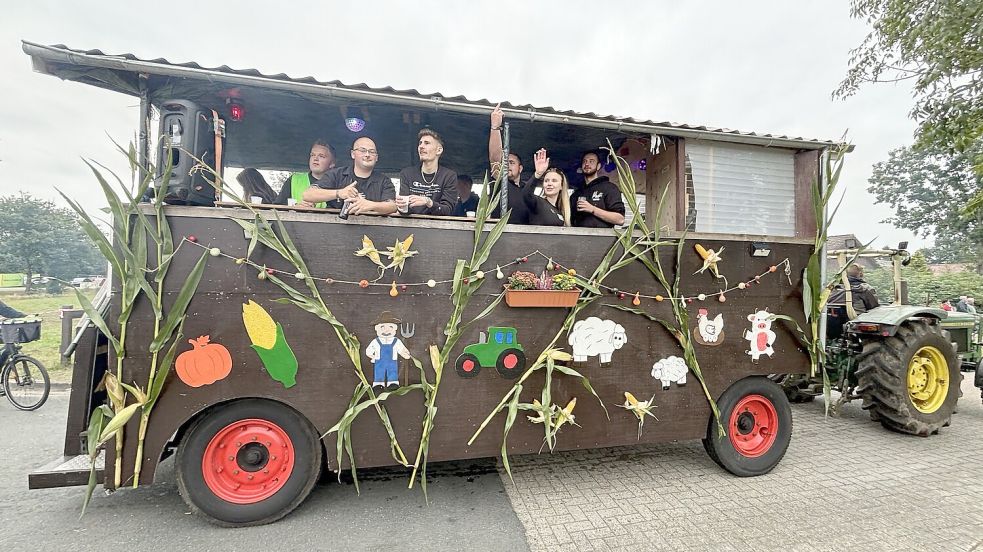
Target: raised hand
point(497, 117)
point(541, 162)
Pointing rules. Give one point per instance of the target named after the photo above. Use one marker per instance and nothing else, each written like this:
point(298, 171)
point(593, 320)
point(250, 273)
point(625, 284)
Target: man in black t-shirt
point(467, 201)
point(598, 204)
point(370, 192)
point(428, 188)
point(516, 189)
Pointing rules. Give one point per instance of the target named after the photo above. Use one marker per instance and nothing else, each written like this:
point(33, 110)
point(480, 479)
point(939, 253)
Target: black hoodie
point(601, 193)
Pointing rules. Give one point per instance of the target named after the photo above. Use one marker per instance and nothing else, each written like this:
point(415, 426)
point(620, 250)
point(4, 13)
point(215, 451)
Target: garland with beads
point(394, 288)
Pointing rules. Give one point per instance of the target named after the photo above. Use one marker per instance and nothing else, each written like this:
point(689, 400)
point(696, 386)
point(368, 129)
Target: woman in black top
point(552, 207)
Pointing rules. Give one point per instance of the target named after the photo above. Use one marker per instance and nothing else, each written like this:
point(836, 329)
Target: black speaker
point(188, 130)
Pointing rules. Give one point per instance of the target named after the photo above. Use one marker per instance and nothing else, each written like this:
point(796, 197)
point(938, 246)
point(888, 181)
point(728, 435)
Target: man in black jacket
point(370, 192)
point(598, 204)
point(428, 188)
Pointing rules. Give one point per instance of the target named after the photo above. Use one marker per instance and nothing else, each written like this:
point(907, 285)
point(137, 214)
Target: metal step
point(66, 471)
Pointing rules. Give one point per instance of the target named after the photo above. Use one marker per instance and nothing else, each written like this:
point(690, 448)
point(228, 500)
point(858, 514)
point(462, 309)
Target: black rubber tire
point(459, 365)
point(722, 451)
point(307, 464)
point(882, 374)
point(511, 373)
point(12, 374)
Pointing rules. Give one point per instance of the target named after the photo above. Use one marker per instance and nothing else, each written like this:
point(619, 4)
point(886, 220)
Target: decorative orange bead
point(772, 268)
point(658, 298)
point(363, 284)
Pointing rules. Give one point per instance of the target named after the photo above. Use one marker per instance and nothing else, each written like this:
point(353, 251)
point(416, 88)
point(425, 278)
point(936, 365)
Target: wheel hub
point(753, 426)
point(248, 461)
point(928, 379)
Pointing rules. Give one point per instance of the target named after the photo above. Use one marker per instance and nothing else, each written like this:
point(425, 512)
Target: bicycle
point(24, 379)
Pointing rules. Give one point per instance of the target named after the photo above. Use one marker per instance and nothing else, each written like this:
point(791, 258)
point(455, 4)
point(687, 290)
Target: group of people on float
point(431, 189)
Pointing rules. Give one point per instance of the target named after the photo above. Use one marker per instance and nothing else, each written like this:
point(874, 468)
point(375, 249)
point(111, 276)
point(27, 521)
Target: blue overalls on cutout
point(387, 367)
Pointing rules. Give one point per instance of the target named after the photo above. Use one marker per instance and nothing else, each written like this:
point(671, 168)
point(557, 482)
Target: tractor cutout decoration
point(499, 348)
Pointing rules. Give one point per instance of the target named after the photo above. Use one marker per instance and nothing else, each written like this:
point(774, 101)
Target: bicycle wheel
point(26, 383)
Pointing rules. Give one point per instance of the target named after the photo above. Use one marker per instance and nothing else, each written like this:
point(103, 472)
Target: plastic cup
point(255, 199)
point(403, 204)
point(291, 201)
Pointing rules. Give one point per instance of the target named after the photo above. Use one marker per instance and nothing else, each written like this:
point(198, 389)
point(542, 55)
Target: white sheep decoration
point(595, 337)
point(670, 369)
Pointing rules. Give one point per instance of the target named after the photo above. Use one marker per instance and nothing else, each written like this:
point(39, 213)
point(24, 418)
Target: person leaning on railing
point(322, 160)
point(368, 191)
point(552, 206)
point(427, 188)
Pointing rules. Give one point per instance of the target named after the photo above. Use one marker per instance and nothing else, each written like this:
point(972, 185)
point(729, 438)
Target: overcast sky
point(767, 67)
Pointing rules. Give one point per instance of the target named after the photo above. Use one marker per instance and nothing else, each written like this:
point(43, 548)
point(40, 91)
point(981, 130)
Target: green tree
point(937, 45)
point(38, 237)
point(928, 191)
point(924, 286)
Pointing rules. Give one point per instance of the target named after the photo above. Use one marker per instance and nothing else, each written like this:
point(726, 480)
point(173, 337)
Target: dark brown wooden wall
point(326, 379)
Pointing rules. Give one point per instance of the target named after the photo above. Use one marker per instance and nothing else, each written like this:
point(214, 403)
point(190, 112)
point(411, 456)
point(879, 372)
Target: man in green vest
point(322, 159)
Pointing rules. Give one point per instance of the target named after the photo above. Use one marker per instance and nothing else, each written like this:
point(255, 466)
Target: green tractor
point(900, 359)
point(502, 351)
point(966, 331)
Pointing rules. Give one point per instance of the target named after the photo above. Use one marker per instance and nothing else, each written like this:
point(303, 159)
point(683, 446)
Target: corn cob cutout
point(268, 342)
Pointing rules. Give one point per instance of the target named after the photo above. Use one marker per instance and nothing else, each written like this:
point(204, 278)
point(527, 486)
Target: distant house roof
point(847, 241)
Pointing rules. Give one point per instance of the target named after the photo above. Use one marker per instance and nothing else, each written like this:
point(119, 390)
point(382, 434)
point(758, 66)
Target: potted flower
point(525, 289)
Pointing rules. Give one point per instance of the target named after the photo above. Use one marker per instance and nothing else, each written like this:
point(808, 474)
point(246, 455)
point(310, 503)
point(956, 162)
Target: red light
point(237, 112)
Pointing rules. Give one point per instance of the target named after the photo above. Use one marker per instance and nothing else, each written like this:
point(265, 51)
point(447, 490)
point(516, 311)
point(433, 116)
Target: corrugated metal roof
point(129, 62)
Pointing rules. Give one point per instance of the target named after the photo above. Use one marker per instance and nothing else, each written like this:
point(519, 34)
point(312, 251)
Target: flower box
point(541, 297)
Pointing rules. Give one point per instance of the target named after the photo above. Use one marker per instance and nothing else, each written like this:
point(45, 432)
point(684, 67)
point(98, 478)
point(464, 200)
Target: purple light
point(354, 124)
point(642, 164)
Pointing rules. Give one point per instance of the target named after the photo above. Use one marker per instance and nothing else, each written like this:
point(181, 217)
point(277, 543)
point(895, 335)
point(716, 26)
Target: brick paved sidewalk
point(845, 484)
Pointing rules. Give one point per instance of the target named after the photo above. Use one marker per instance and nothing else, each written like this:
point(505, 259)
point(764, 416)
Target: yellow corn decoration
point(566, 413)
point(632, 401)
point(259, 325)
point(702, 251)
point(368, 250)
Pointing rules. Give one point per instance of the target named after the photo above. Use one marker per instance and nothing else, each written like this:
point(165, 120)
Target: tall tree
point(937, 45)
point(38, 237)
point(928, 191)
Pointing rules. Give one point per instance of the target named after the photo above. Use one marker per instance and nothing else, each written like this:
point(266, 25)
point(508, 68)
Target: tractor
point(502, 351)
point(899, 359)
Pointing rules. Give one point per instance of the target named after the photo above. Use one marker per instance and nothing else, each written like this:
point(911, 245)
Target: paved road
point(845, 484)
point(468, 507)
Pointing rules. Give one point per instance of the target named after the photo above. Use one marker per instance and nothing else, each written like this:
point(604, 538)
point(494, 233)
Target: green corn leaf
point(509, 420)
point(97, 320)
point(180, 307)
point(164, 369)
point(95, 234)
point(117, 422)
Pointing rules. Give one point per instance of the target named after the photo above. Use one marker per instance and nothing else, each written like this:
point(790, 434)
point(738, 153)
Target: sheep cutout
point(595, 337)
point(670, 370)
point(708, 331)
point(760, 336)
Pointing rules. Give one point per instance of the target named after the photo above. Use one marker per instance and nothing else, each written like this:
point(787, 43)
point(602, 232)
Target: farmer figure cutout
point(384, 351)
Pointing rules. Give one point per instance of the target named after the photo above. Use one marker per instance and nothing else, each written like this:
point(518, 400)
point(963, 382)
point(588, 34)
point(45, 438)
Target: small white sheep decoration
point(670, 369)
point(595, 337)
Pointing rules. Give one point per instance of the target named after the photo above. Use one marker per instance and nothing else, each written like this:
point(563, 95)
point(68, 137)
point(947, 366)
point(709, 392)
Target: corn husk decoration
point(368, 250)
point(710, 260)
point(639, 408)
point(269, 343)
point(399, 253)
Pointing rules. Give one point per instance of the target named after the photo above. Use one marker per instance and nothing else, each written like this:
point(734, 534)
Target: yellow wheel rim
point(928, 379)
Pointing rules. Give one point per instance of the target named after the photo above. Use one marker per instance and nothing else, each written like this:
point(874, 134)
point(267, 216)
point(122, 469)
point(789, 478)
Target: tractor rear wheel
point(511, 363)
point(910, 381)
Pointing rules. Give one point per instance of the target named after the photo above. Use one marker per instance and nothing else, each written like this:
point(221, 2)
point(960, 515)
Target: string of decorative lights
point(263, 271)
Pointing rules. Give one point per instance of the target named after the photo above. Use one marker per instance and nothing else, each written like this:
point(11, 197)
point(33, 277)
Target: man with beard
point(369, 192)
point(516, 189)
point(598, 204)
point(322, 159)
point(428, 188)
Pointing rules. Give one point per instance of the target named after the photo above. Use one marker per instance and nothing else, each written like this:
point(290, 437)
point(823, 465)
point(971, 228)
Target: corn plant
point(127, 255)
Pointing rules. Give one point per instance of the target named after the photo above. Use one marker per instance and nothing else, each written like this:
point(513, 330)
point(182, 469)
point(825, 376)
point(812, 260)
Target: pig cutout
point(760, 336)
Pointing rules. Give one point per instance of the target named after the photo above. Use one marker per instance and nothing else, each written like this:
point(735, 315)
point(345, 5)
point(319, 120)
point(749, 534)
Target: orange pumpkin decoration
point(206, 363)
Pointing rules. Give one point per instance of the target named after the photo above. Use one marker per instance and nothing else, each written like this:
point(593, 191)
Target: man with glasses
point(369, 192)
point(322, 159)
point(517, 191)
point(428, 188)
